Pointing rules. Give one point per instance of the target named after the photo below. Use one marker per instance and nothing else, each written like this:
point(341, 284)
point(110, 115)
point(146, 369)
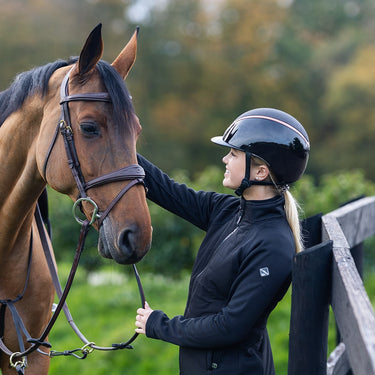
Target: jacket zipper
point(237, 225)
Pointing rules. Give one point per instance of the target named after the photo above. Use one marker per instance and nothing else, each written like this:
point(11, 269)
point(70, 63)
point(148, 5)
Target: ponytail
point(292, 209)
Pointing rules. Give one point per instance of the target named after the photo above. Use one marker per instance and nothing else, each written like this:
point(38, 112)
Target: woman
point(243, 267)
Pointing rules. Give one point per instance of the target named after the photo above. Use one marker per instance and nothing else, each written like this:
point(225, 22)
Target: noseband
point(133, 173)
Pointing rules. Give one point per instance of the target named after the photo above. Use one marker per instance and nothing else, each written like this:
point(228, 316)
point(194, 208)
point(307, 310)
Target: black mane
point(36, 81)
point(24, 85)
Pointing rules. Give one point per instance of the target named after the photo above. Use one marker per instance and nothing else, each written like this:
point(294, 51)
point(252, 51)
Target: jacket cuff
point(153, 321)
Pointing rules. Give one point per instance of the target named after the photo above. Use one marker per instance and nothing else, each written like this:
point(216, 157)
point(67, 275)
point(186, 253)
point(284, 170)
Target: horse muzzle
point(124, 247)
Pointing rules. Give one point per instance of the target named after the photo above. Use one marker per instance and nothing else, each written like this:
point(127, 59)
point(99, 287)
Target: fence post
point(312, 230)
point(311, 286)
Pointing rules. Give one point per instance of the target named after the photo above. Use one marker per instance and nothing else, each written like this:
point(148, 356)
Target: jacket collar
point(257, 210)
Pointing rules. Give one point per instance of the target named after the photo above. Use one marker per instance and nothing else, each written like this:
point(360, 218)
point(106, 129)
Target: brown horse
point(32, 154)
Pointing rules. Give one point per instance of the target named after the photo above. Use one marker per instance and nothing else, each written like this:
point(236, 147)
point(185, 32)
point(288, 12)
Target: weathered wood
point(357, 220)
point(357, 254)
point(353, 312)
point(350, 303)
point(331, 230)
point(310, 310)
point(338, 363)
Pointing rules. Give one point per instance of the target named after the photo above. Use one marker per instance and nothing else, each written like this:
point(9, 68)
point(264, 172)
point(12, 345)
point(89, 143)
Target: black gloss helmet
point(273, 136)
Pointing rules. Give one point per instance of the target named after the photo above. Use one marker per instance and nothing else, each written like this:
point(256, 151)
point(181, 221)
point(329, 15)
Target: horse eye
point(90, 129)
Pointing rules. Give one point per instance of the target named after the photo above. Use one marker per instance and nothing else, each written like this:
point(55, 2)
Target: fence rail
point(331, 260)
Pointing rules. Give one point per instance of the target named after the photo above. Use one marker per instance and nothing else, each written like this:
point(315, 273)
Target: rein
point(132, 173)
point(89, 345)
point(18, 323)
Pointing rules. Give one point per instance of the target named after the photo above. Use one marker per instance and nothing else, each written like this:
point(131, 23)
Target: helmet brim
point(219, 141)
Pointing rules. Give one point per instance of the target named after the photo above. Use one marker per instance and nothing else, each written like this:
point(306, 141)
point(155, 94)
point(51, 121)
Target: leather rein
point(134, 174)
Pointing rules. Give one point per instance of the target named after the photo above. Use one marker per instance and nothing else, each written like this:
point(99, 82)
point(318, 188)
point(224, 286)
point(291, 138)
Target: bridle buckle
point(64, 126)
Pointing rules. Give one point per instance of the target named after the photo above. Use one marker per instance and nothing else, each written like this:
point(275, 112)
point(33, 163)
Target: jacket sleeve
point(254, 294)
point(193, 206)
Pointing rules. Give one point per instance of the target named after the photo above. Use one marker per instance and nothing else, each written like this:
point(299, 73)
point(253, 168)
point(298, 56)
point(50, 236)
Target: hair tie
point(283, 188)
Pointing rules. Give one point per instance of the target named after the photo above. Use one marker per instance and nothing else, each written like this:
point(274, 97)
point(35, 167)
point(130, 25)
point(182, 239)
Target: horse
point(86, 99)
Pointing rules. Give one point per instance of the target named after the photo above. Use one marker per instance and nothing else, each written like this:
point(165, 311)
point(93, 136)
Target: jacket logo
point(264, 271)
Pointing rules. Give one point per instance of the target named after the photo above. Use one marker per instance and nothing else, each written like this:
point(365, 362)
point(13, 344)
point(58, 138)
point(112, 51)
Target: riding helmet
point(274, 136)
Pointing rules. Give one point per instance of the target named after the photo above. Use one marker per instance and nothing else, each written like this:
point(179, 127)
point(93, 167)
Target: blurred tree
point(323, 39)
point(202, 63)
point(35, 32)
point(349, 103)
point(211, 65)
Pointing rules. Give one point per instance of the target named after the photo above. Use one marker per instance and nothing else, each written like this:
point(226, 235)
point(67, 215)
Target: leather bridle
point(134, 174)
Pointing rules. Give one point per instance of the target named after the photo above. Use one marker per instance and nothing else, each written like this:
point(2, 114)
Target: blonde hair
point(292, 208)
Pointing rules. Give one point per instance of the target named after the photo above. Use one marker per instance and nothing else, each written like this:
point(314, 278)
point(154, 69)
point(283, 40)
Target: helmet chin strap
point(246, 182)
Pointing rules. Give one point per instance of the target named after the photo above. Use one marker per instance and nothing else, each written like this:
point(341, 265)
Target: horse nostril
point(126, 242)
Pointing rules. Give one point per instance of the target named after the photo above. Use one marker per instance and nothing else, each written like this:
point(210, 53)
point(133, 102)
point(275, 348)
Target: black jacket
point(242, 269)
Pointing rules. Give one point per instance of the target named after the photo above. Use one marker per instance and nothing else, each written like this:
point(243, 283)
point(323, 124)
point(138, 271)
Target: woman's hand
point(141, 318)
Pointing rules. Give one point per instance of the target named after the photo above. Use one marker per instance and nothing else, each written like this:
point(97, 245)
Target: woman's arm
point(194, 206)
point(252, 299)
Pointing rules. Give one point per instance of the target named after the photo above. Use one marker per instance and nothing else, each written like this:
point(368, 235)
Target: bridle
point(134, 174)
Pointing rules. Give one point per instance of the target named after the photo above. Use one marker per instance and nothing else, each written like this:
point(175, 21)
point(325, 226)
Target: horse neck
point(21, 183)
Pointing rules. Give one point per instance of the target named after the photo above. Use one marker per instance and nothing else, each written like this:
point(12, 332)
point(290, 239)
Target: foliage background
point(200, 64)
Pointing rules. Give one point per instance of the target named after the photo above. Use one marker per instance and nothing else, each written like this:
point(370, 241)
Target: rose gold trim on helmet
point(272, 119)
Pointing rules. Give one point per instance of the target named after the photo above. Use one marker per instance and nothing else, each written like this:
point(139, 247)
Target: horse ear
point(92, 51)
point(125, 60)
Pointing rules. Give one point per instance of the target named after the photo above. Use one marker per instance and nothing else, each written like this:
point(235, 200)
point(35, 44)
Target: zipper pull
point(240, 215)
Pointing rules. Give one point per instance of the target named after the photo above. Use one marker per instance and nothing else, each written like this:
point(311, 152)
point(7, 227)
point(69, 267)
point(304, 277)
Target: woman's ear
point(261, 172)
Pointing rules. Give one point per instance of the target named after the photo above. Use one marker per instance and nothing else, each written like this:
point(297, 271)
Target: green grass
point(106, 314)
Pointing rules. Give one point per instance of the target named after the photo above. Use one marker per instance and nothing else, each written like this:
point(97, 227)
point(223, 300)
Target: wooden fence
point(326, 274)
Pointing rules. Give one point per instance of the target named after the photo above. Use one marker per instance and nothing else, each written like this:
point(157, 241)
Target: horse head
point(97, 112)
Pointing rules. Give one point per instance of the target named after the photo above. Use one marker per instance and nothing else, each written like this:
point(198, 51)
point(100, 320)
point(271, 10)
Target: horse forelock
point(123, 109)
point(25, 85)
